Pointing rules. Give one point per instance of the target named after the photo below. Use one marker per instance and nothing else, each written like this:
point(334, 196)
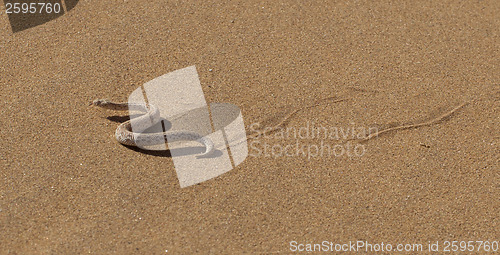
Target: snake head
point(100, 102)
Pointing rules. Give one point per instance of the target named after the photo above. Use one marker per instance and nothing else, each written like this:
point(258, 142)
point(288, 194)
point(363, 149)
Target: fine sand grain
point(426, 74)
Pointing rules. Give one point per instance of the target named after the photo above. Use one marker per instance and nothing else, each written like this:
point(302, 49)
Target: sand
point(67, 187)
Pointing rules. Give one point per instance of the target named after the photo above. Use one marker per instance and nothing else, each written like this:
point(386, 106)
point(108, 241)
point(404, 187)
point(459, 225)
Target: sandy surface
point(67, 187)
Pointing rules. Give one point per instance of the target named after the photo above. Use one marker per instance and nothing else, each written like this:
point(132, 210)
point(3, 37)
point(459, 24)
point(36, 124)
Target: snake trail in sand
point(150, 117)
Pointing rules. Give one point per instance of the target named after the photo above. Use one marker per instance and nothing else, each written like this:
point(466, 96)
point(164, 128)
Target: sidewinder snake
point(151, 116)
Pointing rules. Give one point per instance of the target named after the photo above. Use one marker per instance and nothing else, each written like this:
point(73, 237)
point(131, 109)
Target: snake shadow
point(177, 152)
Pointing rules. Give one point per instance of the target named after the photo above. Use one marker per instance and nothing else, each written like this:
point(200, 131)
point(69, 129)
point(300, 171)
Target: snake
point(151, 116)
point(125, 135)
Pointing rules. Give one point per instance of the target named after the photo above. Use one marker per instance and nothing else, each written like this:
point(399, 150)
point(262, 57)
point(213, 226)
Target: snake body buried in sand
point(151, 116)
